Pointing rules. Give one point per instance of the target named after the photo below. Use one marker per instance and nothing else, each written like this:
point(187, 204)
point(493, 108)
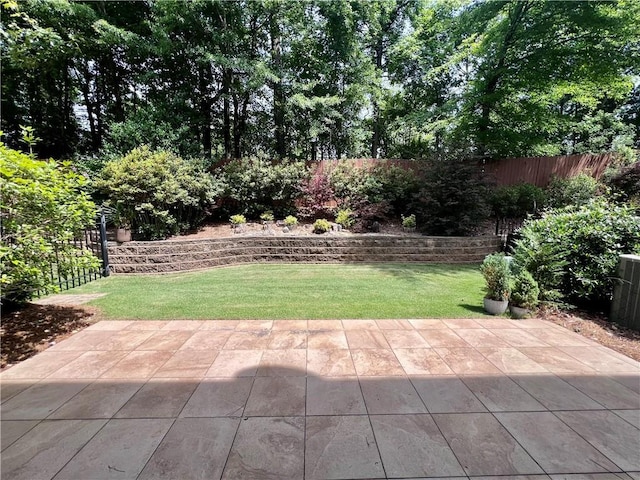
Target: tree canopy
point(314, 79)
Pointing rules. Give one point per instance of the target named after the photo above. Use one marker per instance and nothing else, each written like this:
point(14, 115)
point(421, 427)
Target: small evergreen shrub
point(238, 220)
point(345, 218)
point(577, 190)
point(495, 269)
point(290, 221)
point(267, 216)
point(524, 291)
point(409, 222)
point(517, 201)
point(321, 226)
point(625, 184)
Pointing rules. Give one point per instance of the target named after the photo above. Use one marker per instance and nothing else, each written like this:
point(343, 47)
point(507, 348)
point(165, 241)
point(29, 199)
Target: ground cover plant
point(295, 291)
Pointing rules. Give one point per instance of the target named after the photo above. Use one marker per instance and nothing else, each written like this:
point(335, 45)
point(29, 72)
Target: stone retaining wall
point(182, 255)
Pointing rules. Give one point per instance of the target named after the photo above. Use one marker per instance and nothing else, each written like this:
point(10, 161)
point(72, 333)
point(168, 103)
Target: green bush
point(524, 290)
point(409, 222)
point(253, 185)
point(321, 226)
point(267, 216)
point(517, 201)
point(576, 250)
point(345, 218)
point(625, 184)
point(577, 190)
point(238, 220)
point(290, 221)
point(495, 269)
point(453, 199)
point(160, 192)
point(43, 205)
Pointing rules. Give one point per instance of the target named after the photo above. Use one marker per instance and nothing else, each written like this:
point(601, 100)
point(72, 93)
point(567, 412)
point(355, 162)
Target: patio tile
point(427, 324)
point(220, 397)
point(412, 445)
point(631, 381)
point(165, 340)
point(376, 362)
point(41, 365)
point(183, 325)
point(491, 323)
point(483, 446)
point(605, 391)
point(511, 360)
point(555, 360)
point(257, 340)
point(147, 325)
point(138, 365)
point(89, 365)
point(83, 341)
point(501, 394)
point(596, 476)
point(394, 325)
point(334, 396)
point(235, 363)
point(12, 430)
point(558, 338)
point(219, 324)
point(467, 361)
point(101, 399)
point(206, 340)
point(330, 363)
point(556, 447)
point(554, 393)
point(194, 448)
point(391, 396)
point(40, 453)
point(290, 325)
point(443, 337)
point(366, 339)
point(326, 340)
point(422, 361)
point(122, 447)
point(282, 340)
point(267, 448)
point(446, 394)
point(512, 477)
point(360, 325)
point(125, 340)
point(479, 337)
point(283, 363)
point(610, 434)
point(40, 400)
point(600, 360)
point(113, 325)
point(529, 323)
point(159, 398)
point(11, 388)
point(405, 339)
point(458, 323)
point(277, 397)
point(254, 325)
point(631, 416)
point(321, 325)
point(518, 337)
point(187, 364)
point(341, 447)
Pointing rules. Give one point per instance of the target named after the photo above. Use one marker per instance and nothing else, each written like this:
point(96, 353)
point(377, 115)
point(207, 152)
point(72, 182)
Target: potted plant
point(524, 294)
point(409, 223)
point(123, 219)
point(495, 269)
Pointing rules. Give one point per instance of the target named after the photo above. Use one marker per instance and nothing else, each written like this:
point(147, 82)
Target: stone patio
point(358, 399)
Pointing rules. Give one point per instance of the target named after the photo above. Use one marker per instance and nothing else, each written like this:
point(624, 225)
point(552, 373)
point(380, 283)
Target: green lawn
point(295, 292)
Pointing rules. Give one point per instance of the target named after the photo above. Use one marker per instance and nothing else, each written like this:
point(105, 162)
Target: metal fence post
point(104, 249)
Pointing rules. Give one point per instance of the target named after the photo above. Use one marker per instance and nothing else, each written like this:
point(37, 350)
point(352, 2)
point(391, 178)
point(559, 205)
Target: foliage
point(253, 185)
point(576, 190)
point(316, 194)
point(321, 226)
point(626, 183)
point(43, 205)
point(290, 221)
point(409, 222)
point(576, 249)
point(161, 193)
point(496, 272)
point(345, 218)
point(453, 199)
point(524, 290)
point(267, 216)
point(238, 220)
point(517, 201)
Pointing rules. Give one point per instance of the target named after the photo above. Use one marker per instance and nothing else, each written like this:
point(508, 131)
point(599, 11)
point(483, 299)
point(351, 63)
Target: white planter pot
point(519, 312)
point(123, 235)
point(495, 307)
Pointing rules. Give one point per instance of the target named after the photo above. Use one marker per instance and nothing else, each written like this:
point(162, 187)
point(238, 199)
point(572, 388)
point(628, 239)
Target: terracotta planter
point(495, 307)
point(123, 235)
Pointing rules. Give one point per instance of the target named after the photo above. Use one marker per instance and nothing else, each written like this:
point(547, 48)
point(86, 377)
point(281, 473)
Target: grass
point(295, 292)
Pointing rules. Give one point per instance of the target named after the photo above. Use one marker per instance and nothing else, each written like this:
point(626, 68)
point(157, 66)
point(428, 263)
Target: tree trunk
point(205, 111)
point(276, 85)
point(226, 112)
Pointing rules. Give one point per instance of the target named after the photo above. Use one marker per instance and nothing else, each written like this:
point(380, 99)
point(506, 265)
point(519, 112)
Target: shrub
point(290, 221)
point(495, 269)
point(163, 193)
point(626, 183)
point(321, 226)
point(238, 220)
point(42, 206)
point(253, 185)
point(524, 290)
point(576, 249)
point(409, 222)
point(267, 216)
point(577, 190)
point(345, 218)
point(316, 194)
point(453, 199)
point(517, 201)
